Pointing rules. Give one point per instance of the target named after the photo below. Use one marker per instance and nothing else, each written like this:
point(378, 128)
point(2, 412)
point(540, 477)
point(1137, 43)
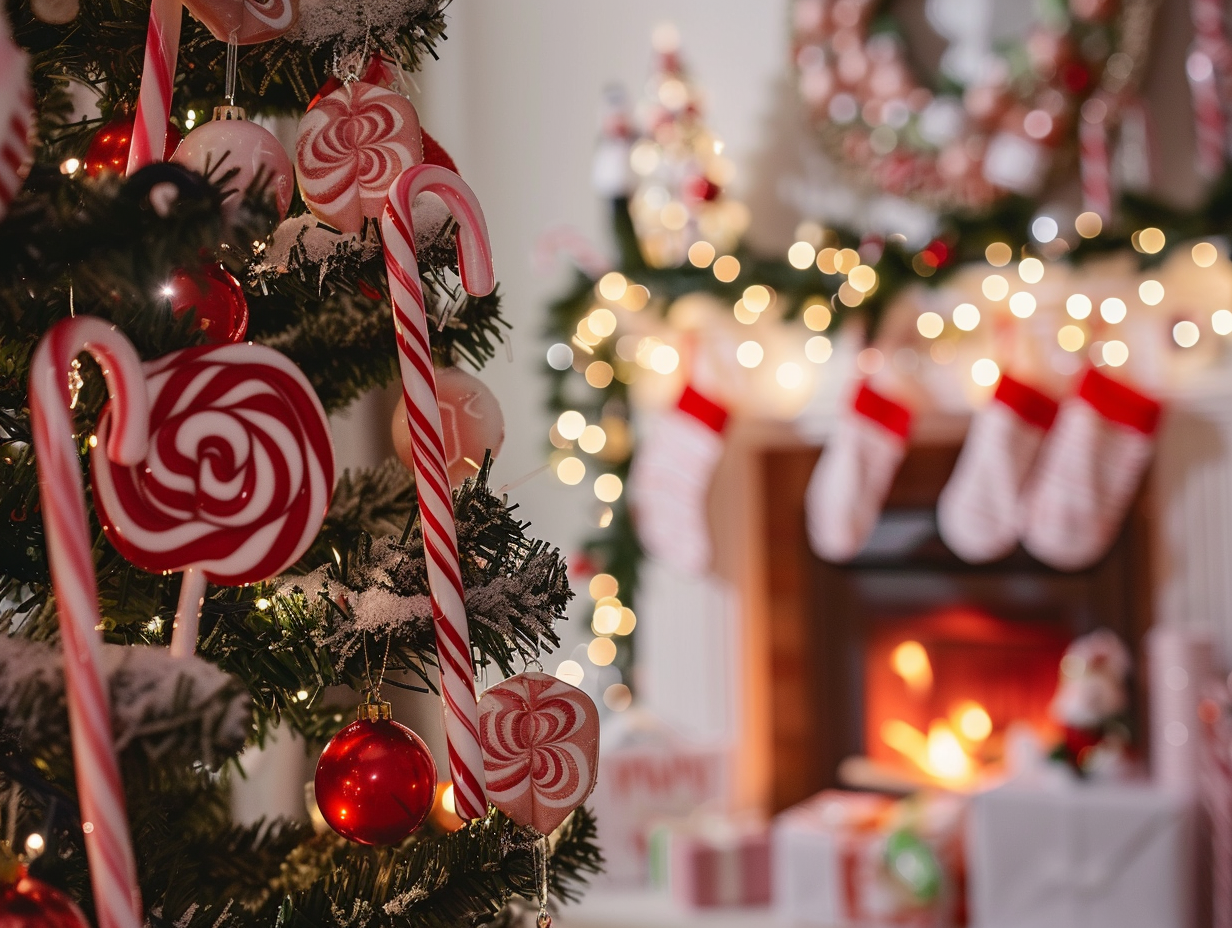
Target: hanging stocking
point(670, 479)
point(849, 485)
point(1088, 471)
point(978, 512)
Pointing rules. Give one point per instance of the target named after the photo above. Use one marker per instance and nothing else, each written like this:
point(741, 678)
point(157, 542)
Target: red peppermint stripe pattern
point(162, 48)
point(540, 741)
point(428, 450)
point(240, 469)
point(16, 119)
point(1207, 67)
point(113, 871)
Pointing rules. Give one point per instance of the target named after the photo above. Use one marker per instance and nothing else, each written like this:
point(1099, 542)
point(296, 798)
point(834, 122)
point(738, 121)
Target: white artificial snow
point(352, 22)
point(155, 698)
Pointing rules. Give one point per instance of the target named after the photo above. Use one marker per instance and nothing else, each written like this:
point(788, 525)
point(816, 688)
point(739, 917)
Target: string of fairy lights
point(629, 335)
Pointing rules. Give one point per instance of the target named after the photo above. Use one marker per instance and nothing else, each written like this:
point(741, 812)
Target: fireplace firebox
point(851, 644)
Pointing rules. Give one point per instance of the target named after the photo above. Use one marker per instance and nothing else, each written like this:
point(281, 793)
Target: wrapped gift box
point(1081, 855)
point(642, 785)
point(831, 861)
point(712, 862)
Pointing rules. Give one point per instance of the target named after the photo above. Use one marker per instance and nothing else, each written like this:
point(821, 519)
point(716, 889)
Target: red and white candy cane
point(113, 871)
point(162, 48)
point(428, 450)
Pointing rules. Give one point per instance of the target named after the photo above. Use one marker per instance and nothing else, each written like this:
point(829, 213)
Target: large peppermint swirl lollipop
point(352, 145)
point(540, 739)
point(238, 477)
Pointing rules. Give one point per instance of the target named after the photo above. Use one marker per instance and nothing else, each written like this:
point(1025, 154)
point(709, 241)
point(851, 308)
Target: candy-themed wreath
point(1006, 122)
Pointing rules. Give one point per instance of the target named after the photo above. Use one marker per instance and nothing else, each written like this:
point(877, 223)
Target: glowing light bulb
point(910, 661)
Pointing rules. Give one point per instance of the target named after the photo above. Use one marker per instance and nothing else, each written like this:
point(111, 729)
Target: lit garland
point(844, 275)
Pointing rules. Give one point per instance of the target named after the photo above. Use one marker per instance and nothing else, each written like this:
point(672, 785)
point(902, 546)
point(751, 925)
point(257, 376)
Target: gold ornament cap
point(376, 711)
point(230, 112)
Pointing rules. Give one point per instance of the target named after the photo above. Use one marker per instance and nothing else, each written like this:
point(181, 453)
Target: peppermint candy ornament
point(248, 21)
point(352, 145)
point(540, 740)
point(239, 474)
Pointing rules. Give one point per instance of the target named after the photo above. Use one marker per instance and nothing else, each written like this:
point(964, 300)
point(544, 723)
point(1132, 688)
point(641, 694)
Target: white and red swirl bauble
point(250, 21)
point(239, 473)
point(540, 740)
point(471, 421)
point(352, 145)
point(230, 143)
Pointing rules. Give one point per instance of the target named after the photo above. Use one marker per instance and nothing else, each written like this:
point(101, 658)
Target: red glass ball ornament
point(433, 153)
point(217, 298)
point(376, 780)
point(30, 903)
point(108, 149)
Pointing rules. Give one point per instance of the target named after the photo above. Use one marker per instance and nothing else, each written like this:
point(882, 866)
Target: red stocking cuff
point(1118, 403)
point(703, 409)
point(1032, 406)
point(882, 410)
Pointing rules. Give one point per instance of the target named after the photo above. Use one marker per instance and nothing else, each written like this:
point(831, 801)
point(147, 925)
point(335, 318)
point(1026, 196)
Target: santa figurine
point(1091, 705)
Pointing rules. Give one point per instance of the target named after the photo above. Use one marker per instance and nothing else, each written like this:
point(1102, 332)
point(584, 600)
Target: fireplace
point(850, 645)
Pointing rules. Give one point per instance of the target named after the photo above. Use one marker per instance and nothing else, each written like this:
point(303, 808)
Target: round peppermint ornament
point(540, 740)
point(352, 145)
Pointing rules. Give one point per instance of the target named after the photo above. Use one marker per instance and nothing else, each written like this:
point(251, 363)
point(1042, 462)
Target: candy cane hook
point(113, 870)
point(428, 450)
point(162, 49)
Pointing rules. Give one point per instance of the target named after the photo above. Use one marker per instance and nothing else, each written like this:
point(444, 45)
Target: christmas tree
point(207, 251)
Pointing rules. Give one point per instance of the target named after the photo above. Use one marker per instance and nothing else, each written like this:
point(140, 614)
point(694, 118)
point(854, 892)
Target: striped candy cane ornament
point(162, 48)
point(113, 871)
point(428, 450)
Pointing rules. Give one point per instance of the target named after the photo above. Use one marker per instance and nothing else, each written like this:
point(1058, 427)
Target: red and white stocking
point(1089, 469)
point(850, 483)
point(670, 479)
point(979, 511)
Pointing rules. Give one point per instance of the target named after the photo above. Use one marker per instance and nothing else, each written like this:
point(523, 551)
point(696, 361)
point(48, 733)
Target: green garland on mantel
point(960, 240)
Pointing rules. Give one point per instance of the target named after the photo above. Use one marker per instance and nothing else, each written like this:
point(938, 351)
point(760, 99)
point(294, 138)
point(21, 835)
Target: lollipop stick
point(188, 612)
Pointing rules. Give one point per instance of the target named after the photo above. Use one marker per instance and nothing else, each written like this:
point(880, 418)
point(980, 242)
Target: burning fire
point(949, 751)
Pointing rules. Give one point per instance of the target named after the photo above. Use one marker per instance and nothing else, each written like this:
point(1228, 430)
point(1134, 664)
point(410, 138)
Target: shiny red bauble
point(108, 149)
point(30, 903)
point(433, 153)
point(375, 781)
point(215, 296)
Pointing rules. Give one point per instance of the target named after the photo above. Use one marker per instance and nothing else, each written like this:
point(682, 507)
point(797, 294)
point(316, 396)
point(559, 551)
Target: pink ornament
point(250, 21)
point(540, 739)
point(237, 480)
point(229, 142)
point(352, 146)
point(471, 420)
